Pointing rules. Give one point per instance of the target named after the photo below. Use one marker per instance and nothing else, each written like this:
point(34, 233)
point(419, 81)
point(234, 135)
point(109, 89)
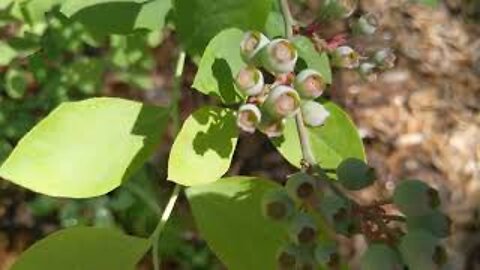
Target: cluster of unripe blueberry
point(268, 105)
point(316, 210)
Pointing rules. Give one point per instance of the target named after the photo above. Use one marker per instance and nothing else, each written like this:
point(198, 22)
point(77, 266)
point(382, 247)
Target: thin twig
point(175, 114)
point(161, 225)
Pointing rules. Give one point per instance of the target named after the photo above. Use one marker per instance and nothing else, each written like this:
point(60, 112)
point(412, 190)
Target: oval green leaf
point(118, 16)
point(87, 148)
point(203, 150)
point(198, 21)
point(84, 248)
point(310, 58)
point(228, 215)
point(331, 143)
point(220, 64)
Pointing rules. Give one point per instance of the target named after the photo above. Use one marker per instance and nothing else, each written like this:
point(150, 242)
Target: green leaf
point(220, 64)
point(203, 150)
point(71, 7)
point(118, 16)
point(85, 149)
point(275, 25)
point(310, 58)
point(228, 215)
point(153, 14)
point(331, 143)
point(84, 248)
point(7, 54)
point(198, 21)
point(33, 12)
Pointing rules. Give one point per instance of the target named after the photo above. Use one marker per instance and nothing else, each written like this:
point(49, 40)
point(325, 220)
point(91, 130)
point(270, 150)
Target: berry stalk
point(308, 156)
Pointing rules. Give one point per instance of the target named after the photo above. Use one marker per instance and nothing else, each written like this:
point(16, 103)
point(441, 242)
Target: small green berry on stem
point(272, 127)
point(325, 251)
point(365, 25)
point(301, 186)
point(337, 9)
point(415, 198)
point(279, 57)
point(250, 81)
point(345, 57)
point(437, 223)
point(306, 261)
point(367, 71)
point(354, 174)
point(421, 250)
point(303, 229)
point(310, 84)
point(277, 205)
point(385, 59)
point(282, 101)
point(287, 257)
point(253, 42)
point(248, 117)
point(314, 113)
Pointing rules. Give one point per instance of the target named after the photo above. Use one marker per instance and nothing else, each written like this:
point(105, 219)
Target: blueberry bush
point(268, 72)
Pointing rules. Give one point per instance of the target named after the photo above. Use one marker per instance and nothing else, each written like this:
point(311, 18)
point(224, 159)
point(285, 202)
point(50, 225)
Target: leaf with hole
point(219, 66)
point(203, 150)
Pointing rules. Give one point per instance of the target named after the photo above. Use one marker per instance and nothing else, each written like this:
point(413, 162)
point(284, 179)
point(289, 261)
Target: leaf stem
point(176, 95)
point(175, 114)
point(301, 129)
point(161, 225)
point(287, 18)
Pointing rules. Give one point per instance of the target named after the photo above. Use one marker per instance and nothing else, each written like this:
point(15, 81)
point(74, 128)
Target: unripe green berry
point(306, 262)
point(277, 205)
point(314, 113)
point(303, 229)
point(385, 59)
point(355, 174)
point(420, 250)
point(250, 81)
point(366, 25)
point(253, 42)
point(380, 257)
point(415, 198)
point(272, 128)
point(248, 117)
point(345, 57)
point(337, 9)
point(310, 84)
point(301, 186)
point(337, 210)
point(279, 56)
point(366, 68)
point(324, 252)
point(282, 101)
point(288, 257)
point(437, 223)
